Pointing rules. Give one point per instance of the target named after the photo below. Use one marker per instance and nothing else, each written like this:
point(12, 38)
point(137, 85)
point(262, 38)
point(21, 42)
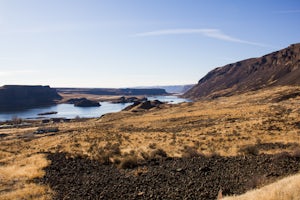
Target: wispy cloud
point(212, 33)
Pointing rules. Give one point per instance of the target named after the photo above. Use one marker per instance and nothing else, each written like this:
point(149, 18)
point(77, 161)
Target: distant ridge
point(113, 91)
point(177, 89)
point(274, 69)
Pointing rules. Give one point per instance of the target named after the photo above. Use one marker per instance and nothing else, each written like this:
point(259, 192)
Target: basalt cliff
point(275, 69)
point(17, 97)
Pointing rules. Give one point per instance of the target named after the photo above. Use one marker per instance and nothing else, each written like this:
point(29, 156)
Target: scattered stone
point(141, 193)
point(82, 178)
point(179, 169)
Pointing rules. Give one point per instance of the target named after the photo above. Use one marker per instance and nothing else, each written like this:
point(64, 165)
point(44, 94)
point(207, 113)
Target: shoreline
point(113, 103)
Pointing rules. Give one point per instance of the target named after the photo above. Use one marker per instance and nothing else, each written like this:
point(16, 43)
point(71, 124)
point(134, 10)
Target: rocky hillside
point(274, 69)
point(15, 97)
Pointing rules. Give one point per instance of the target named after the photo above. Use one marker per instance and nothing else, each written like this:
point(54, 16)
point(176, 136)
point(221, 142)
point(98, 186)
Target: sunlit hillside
point(251, 124)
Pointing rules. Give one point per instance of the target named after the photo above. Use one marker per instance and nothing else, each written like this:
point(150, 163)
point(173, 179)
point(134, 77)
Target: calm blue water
point(70, 111)
point(169, 99)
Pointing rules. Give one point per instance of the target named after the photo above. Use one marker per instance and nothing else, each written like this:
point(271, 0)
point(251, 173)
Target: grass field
point(267, 121)
point(285, 189)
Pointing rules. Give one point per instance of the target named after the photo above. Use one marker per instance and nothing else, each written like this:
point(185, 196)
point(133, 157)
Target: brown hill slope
point(275, 69)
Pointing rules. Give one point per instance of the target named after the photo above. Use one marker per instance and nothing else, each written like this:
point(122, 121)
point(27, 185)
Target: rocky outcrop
point(83, 102)
point(275, 69)
point(16, 97)
point(129, 100)
point(74, 100)
point(146, 105)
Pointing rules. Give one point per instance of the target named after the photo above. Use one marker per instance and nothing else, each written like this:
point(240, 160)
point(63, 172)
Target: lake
point(70, 111)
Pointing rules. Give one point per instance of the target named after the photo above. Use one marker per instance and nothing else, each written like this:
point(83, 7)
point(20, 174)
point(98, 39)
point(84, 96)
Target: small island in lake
point(83, 102)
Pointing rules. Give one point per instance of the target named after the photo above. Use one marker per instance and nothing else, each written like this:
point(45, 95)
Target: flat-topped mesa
point(17, 97)
point(275, 69)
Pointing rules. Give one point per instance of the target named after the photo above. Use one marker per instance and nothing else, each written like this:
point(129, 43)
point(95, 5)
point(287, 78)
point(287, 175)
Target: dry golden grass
point(28, 191)
point(285, 189)
point(15, 178)
point(24, 168)
point(222, 126)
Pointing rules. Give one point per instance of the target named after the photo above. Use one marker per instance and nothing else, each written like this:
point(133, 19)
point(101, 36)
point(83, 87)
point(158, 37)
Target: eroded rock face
point(16, 97)
point(144, 105)
point(275, 69)
point(129, 100)
point(83, 102)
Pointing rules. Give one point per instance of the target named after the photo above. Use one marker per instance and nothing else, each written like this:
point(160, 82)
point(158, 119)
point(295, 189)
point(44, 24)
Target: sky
point(127, 43)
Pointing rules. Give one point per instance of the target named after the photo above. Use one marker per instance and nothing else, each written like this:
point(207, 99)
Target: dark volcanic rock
point(83, 102)
point(275, 69)
point(150, 104)
point(170, 178)
point(129, 100)
point(87, 103)
point(15, 97)
point(75, 100)
point(145, 105)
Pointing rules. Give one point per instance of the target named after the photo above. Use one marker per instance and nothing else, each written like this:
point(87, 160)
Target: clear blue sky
point(125, 43)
